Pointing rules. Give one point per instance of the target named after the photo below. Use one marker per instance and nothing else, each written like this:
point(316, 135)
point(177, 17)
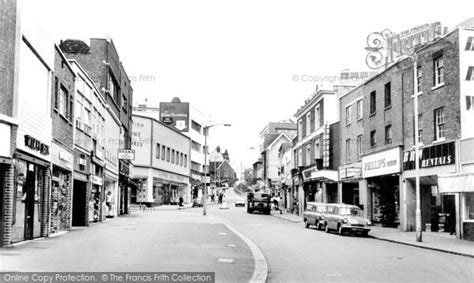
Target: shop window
point(469, 206)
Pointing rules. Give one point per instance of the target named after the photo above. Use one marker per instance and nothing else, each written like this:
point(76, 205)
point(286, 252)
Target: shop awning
point(456, 183)
point(324, 176)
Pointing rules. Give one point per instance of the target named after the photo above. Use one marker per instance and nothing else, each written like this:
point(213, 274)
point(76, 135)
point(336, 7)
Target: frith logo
point(470, 44)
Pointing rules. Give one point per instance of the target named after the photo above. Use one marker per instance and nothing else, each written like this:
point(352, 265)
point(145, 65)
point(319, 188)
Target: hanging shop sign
point(381, 163)
point(126, 154)
point(124, 168)
point(326, 146)
point(36, 145)
point(307, 173)
point(432, 156)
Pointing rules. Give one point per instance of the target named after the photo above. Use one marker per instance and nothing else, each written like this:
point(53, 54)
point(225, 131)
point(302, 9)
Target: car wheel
point(339, 230)
point(365, 233)
point(306, 224)
point(326, 228)
point(316, 224)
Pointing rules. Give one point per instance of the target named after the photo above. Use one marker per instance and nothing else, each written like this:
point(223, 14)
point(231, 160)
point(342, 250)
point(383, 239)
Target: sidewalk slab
point(287, 216)
point(438, 241)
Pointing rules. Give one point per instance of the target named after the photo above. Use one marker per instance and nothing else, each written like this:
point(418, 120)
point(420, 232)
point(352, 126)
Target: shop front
point(81, 193)
point(168, 188)
point(349, 178)
point(111, 193)
point(320, 185)
point(31, 189)
point(380, 190)
point(61, 188)
point(438, 211)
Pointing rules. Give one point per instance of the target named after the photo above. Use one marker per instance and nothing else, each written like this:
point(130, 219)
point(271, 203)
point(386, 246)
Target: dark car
point(258, 202)
point(314, 214)
point(197, 202)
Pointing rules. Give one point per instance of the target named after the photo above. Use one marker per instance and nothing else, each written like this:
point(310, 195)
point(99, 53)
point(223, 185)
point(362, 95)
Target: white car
point(239, 202)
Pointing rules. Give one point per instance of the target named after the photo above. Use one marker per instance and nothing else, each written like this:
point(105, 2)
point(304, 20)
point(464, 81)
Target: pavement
point(438, 241)
point(149, 241)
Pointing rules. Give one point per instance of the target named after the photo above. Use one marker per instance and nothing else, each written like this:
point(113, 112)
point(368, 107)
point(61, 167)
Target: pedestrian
point(181, 201)
point(451, 225)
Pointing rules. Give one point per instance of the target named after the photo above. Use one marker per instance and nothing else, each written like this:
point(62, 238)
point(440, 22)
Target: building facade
point(271, 138)
point(62, 146)
point(443, 82)
point(102, 63)
point(314, 149)
point(162, 162)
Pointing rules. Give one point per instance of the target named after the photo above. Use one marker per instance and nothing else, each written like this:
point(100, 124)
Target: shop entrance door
point(29, 189)
point(79, 204)
point(449, 208)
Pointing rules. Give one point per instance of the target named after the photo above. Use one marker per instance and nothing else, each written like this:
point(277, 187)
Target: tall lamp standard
point(206, 132)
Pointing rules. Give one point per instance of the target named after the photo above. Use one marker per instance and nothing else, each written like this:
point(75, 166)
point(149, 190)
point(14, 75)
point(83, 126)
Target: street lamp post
point(206, 132)
point(417, 157)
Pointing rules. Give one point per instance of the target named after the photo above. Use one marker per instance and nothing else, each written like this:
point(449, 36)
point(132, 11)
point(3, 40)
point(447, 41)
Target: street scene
point(223, 141)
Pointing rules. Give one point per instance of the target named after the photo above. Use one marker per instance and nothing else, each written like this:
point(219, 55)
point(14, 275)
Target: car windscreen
point(350, 211)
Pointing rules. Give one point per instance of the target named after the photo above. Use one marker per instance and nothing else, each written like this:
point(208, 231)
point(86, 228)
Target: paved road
point(296, 254)
point(152, 241)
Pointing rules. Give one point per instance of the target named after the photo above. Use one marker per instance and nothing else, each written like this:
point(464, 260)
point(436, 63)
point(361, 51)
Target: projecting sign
point(126, 154)
point(175, 114)
point(466, 86)
point(326, 146)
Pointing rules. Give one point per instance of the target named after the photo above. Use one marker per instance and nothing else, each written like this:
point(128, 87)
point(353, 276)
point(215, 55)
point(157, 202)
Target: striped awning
point(456, 183)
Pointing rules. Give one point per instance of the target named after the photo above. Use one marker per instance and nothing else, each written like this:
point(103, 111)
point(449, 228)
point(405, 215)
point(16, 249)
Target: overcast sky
point(235, 60)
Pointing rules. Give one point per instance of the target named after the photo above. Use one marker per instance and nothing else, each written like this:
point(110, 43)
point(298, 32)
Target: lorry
point(258, 202)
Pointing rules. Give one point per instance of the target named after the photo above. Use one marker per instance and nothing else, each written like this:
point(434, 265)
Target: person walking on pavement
point(181, 202)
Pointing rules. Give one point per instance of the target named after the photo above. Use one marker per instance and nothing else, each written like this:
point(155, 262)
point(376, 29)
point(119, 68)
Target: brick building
point(382, 143)
point(8, 123)
point(62, 153)
point(444, 84)
point(102, 63)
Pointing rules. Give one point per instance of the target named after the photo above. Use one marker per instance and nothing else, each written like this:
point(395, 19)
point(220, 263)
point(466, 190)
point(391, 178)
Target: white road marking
point(231, 245)
point(222, 233)
point(225, 260)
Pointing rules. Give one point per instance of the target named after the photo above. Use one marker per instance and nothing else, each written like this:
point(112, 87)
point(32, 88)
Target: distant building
point(162, 163)
point(220, 170)
point(272, 136)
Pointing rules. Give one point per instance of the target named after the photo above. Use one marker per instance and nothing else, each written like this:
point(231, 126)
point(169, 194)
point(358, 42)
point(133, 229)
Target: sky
point(241, 62)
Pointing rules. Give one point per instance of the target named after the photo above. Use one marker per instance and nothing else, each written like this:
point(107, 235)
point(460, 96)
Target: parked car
point(258, 202)
point(197, 202)
point(314, 214)
point(239, 202)
point(345, 218)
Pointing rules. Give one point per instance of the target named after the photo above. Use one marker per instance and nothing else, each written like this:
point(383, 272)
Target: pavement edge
point(422, 247)
point(261, 267)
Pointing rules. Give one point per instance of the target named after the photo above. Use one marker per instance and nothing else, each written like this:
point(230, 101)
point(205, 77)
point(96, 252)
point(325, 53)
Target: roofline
point(65, 59)
point(278, 137)
point(159, 122)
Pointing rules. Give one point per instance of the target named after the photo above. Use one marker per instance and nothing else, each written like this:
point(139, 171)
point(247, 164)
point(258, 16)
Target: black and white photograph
point(236, 141)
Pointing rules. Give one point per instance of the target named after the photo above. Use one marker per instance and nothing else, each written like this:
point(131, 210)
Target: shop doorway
point(79, 203)
point(385, 200)
point(449, 210)
point(350, 193)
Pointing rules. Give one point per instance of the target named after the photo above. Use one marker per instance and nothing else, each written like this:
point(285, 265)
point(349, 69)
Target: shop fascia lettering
point(36, 145)
point(444, 157)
